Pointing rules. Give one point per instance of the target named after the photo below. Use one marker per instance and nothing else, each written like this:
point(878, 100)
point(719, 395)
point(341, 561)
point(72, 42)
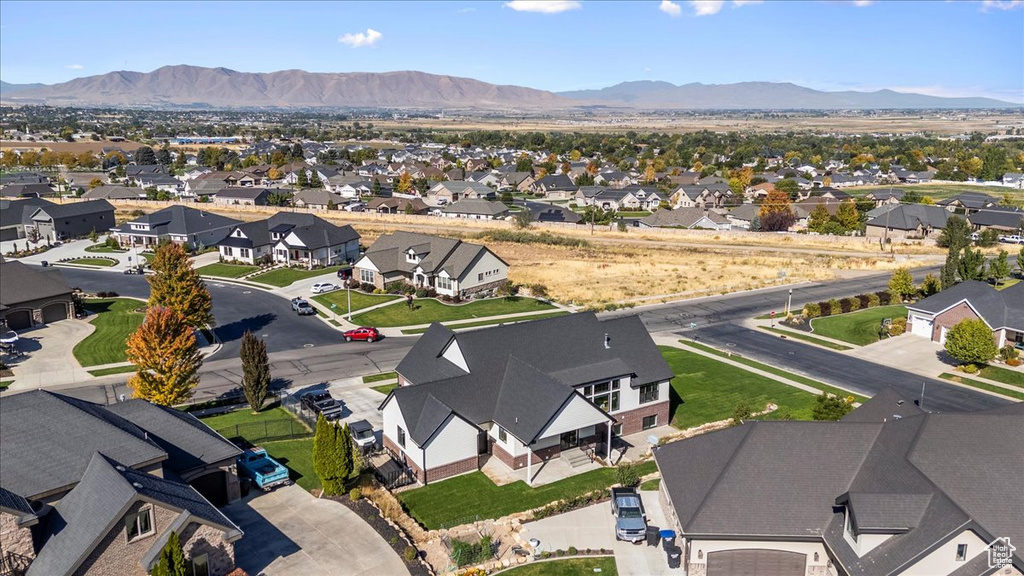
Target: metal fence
point(266, 431)
point(293, 404)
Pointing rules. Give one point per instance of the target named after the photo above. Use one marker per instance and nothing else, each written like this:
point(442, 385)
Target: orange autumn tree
point(164, 349)
point(178, 286)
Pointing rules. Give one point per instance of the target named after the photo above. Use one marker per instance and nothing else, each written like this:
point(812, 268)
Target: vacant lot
point(943, 191)
point(428, 310)
point(115, 319)
point(859, 328)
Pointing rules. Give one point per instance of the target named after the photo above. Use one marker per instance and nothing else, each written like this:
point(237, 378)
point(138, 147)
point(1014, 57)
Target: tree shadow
point(235, 330)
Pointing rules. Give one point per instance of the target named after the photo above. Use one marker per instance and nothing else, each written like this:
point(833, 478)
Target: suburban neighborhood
point(548, 320)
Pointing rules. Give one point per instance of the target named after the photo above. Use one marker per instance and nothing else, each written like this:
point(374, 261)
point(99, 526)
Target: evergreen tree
point(955, 234)
point(172, 559)
point(346, 459)
point(972, 264)
point(999, 268)
point(314, 180)
point(947, 277)
point(177, 285)
point(255, 370)
point(165, 351)
point(303, 181)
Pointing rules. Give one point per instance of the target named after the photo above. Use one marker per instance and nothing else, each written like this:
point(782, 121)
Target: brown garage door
point(54, 312)
point(756, 563)
point(19, 319)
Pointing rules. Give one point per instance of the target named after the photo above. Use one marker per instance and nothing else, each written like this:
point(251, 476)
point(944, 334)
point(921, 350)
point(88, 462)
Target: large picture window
point(366, 276)
point(648, 393)
point(444, 283)
point(604, 395)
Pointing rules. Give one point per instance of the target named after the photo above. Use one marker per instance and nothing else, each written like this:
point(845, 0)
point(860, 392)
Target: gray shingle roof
point(519, 375)
point(475, 206)
point(388, 253)
point(71, 209)
point(681, 217)
point(48, 440)
point(921, 477)
point(999, 308)
point(1010, 219)
point(189, 443)
point(910, 216)
point(181, 220)
point(114, 192)
point(14, 212)
point(104, 495)
point(24, 283)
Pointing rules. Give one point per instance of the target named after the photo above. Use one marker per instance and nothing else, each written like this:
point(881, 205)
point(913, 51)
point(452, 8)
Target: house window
point(444, 283)
point(650, 422)
point(366, 276)
point(201, 565)
point(648, 393)
point(244, 252)
point(961, 552)
point(502, 435)
point(401, 437)
point(480, 276)
point(139, 524)
point(227, 251)
point(604, 395)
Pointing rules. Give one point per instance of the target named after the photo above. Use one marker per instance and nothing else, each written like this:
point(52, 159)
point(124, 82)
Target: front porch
point(551, 470)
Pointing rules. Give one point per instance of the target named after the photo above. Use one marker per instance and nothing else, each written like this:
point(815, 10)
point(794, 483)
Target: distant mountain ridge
point(198, 87)
point(765, 95)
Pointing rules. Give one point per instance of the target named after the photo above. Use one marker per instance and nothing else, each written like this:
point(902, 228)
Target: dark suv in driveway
point(321, 402)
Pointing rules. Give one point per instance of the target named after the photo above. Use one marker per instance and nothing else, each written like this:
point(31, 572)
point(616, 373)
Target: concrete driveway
point(288, 531)
point(907, 352)
point(594, 527)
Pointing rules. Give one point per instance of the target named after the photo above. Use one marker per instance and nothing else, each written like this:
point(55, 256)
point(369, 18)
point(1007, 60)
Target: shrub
point(835, 308)
point(355, 494)
point(627, 475)
point(1008, 352)
point(409, 554)
point(741, 413)
point(539, 290)
point(884, 298)
point(863, 301)
point(898, 326)
point(873, 300)
point(421, 293)
point(969, 368)
point(826, 308)
point(573, 551)
point(854, 303)
point(456, 299)
point(559, 553)
point(1013, 362)
point(545, 554)
point(844, 305)
point(828, 407)
point(812, 310)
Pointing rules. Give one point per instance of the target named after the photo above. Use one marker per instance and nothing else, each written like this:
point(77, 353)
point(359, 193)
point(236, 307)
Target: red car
point(364, 333)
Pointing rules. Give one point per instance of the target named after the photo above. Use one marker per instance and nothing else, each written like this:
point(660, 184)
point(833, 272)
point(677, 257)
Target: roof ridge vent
point(607, 341)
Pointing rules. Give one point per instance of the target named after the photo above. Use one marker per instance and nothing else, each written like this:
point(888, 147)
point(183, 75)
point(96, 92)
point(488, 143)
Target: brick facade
point(198, 539)
point(632, 421)
point(950, 318)
point(115, 555)
point(15, 539)
point(421, 476)
point(452, 469)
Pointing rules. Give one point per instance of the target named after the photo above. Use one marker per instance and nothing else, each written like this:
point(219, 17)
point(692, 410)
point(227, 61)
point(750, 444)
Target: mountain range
point(197, 87)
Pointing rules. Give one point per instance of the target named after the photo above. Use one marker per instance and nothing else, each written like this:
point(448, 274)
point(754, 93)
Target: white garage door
point(921, 326)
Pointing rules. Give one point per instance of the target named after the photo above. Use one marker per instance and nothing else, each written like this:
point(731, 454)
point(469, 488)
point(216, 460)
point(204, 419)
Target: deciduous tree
point(848, 217)
point(404, 182)
point(901, 285)
point(165, 351)
point(255, 370)
point(999, 267)
point(829, 407)
point(971, 341)
point(775, 213)
point(177, 285)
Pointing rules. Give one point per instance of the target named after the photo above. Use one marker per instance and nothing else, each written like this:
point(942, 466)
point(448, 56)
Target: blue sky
point(942, 48)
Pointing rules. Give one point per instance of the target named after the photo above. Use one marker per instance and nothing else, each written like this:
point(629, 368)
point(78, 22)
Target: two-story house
point(178, 224)
point(523, 393)
point(290, 238)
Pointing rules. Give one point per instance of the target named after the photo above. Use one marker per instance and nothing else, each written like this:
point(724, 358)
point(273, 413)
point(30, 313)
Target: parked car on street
point(362, 435)
point(363, 333)
point(321, 402)
point(321, 287)
point(266, 472)
point(630, 518)
point(302, 307)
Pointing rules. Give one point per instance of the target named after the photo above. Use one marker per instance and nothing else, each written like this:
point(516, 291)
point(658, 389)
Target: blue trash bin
point(668, 539)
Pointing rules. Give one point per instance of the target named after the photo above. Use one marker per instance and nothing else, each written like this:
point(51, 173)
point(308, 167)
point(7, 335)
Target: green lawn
point(859, 328)
point(461, 498)
point(604, 565)
point(104, 249)
point(115, 320)
point(227, 270)
point(429, 310)
point(493, 322)
point(706, 390)
point(981, 385)
point(385, 389)
point(4, 384)
point(360, 300)
point(941, 191)
point(114, 370)
point(651, 484)
point(282, 277)
point(1007, 283)
point(778, 372)
point(105, 262)
point(380, 377)
point(297, 455)
point(1004, 375)
point(806, 338)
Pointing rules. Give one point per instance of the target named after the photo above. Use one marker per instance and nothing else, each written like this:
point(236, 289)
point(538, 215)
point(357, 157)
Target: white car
point(1012, 239)
point(321, 287)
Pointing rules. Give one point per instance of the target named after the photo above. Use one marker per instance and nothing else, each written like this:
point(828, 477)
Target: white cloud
point(361, 39)
point(739, 3)
point(707, 7)
point(74, 66)
point(671, 8)
point(988, 5)
point(863, 3)
point(544, 6)
point(465, 10)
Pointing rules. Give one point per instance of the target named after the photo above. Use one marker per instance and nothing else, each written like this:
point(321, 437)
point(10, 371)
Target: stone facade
point(115, 555)
point(198, 539)
point(15, 539)
point(632, 421)
point(482, 288)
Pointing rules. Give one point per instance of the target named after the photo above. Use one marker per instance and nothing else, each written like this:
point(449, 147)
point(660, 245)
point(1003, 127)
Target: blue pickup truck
point(264, 470)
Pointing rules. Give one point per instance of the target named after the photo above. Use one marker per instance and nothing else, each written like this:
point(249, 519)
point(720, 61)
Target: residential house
point(883, 197)
point(82, 180)
point(754, 193)
point(73, 219)
point(1001, 310)
point(30, 296)
point(519, 181)
point(967, 202)
point(27, 191)
point(317, 199)
point(161, 182)
point(454, 190)
point(743, 216)
point(246, 196)
point(485, 178)
point(554, 186)
point(628, 198)
point(8, 178)
point(290, 238)
point(134, 173)
point(476, 210)
point(178, 224)
point(398, 206)
point(701, 196)
point(541, 212)
point(16, 216)
point(832, 193)
point(114, 192)
point(613, 179)
point(1004, 220)
point(1013, 180)
point(906, 220)
point(888, 490)
point(523, 394)
point(451, 267)
point(690, 218)
point(95, 489)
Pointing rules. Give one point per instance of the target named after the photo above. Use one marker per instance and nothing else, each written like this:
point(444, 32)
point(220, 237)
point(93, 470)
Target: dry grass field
point(76, 147)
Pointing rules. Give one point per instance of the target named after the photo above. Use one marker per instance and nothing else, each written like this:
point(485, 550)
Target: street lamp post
point(789, 303)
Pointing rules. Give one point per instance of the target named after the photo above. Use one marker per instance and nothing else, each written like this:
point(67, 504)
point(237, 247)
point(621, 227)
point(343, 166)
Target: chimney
point(607, 341)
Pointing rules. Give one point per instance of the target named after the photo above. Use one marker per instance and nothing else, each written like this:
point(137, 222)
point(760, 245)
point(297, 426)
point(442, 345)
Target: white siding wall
point(629, 399)
point(575, 414)
point(470, 278)
point(392, 415)
point(454, 355)
point(943, 559)
point(456, 440)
